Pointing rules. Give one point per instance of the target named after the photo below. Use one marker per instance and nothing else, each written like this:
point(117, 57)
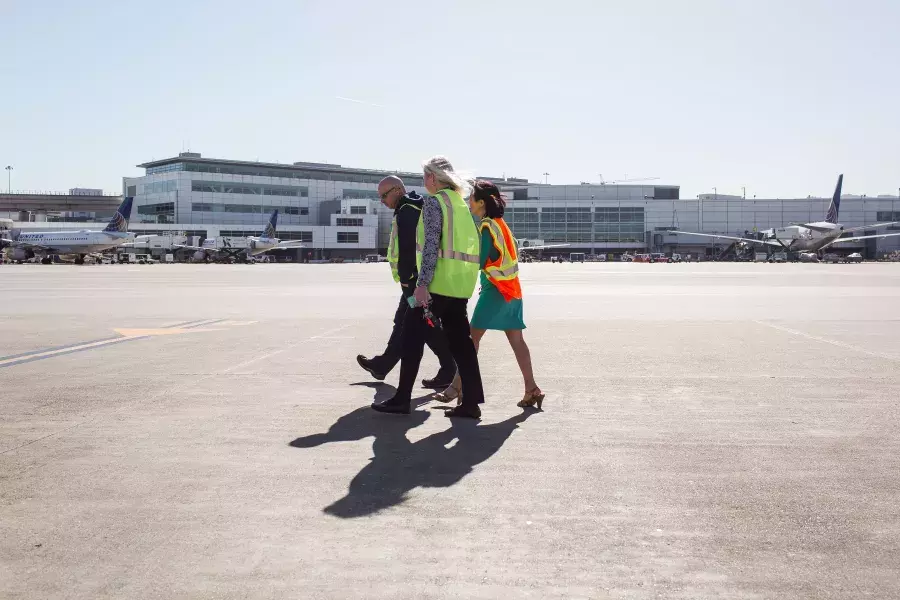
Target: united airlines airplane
point(808, 237)
point(255, 245)
point(72, 244)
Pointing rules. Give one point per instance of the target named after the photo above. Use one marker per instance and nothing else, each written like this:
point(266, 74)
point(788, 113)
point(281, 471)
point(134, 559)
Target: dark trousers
point(434, 337)
point(455, 319)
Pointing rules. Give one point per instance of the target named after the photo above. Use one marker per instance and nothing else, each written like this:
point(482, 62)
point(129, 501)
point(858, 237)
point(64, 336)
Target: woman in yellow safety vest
point(500, 302)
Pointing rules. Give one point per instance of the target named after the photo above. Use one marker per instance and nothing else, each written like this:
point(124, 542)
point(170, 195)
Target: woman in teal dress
point(500, 301)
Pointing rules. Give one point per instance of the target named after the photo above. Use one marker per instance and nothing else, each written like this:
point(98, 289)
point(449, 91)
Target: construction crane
point(626, 180)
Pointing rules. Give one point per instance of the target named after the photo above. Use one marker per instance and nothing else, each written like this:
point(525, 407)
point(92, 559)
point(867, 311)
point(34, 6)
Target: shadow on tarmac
point(398, 465)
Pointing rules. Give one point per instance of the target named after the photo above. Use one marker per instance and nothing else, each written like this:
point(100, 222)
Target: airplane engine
point(19, 254)
point(199, 256)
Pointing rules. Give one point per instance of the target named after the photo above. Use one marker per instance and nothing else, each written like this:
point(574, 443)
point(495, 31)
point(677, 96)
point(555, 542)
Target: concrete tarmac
point(203, 431)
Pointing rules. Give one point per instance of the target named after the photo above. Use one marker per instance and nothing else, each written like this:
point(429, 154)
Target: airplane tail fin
point(269, 231)
point(119, 221)
point(832, 215)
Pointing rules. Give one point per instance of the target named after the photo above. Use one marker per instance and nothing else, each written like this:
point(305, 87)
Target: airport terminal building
point(335, 210)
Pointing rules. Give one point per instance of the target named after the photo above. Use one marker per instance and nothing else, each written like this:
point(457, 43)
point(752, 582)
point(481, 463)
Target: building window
point(348, 237)
point(345, 222)
point(131, 190)
point(165, 168)
point(253, 209)
point(358, 210)
point(360, 194)
point(293, 173)
point(160, 187)
point(157, 213)
point(665, 193)
point(887, 216)
point(304, 236)
point(257, 190)
point(157, 209)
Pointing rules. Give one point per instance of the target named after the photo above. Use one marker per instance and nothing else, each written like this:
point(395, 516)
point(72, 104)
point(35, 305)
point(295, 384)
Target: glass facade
point(360, 194)
point(243, 208)
point(575, 225)
point(888, 216)
point(358, 210)
point(348, 237)
point(279, 171)
point(163, 212)
point(304, 236)
point(346, 222)
point(160, 187)
point(244, 188)
point(165, 169)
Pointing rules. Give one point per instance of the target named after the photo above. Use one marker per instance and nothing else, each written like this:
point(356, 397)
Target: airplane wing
point(731, 237)
point(184, 247)
point(814, 227)
point(542, 247)
point(289, 244)
point(873, 226)
point(861, 237)
point(29, 246)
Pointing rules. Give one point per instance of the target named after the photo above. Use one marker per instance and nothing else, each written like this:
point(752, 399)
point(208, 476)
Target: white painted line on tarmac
point(169, 390)
point(322, 335)
point(817, 338)
point(66, 350)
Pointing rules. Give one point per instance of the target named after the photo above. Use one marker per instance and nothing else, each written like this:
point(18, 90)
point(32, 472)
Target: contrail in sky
point(359, 101)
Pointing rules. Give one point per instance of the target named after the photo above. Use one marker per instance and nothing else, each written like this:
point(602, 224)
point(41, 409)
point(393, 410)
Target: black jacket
point(408, 213)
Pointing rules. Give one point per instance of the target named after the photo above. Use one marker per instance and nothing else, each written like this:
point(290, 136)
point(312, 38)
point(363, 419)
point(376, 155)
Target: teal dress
point(492, 310)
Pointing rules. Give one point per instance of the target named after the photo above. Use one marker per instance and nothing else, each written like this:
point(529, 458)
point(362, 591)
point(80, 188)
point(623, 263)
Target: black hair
point(494, 204)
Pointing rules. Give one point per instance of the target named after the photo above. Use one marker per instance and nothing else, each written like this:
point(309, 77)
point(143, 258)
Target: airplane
point(808, 237)
point(255, 245)
point(68, 244)
point(526, 246)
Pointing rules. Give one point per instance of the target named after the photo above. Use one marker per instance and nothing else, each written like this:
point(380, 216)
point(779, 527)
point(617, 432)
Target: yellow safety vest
point(458, 261)
point(393, 253)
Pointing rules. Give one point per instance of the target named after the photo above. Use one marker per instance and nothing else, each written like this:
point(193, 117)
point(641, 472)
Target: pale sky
point(776, 95)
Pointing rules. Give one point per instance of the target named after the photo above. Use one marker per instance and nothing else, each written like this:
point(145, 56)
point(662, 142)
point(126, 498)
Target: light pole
point(546, 178)
point(9, 171)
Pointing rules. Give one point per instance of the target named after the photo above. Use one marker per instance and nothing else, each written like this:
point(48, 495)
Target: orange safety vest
point(503, 272)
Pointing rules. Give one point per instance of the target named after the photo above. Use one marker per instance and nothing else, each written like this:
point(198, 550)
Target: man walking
point(402, 259)
point(448, 272)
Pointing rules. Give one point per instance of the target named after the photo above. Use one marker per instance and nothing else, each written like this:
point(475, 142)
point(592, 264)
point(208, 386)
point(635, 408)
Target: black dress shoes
point(366, 364)
point(393, 406)
point(463, 411)
point(440, 382)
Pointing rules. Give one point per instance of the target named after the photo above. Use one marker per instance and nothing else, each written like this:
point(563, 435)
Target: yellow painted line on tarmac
point(125, 334)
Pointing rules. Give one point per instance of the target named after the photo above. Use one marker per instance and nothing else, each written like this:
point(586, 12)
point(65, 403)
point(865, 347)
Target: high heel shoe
point(449, 395)
point(532, 398)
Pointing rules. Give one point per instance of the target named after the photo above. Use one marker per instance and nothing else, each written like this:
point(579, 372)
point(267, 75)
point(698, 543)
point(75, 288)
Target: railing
point(55, 193)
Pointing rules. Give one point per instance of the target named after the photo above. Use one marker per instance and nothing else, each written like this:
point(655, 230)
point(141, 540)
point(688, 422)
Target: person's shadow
point(399, 465)
point(364, 422)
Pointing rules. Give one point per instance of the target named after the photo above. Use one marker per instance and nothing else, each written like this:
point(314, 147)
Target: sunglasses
point(385, 195)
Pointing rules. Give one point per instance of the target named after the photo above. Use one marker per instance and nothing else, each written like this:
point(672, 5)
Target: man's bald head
point(390, 190)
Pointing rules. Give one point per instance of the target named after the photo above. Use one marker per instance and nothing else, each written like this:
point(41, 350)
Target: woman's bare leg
point(523, 357)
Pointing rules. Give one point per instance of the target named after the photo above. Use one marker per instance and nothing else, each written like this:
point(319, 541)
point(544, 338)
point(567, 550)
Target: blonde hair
point(446, 176)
